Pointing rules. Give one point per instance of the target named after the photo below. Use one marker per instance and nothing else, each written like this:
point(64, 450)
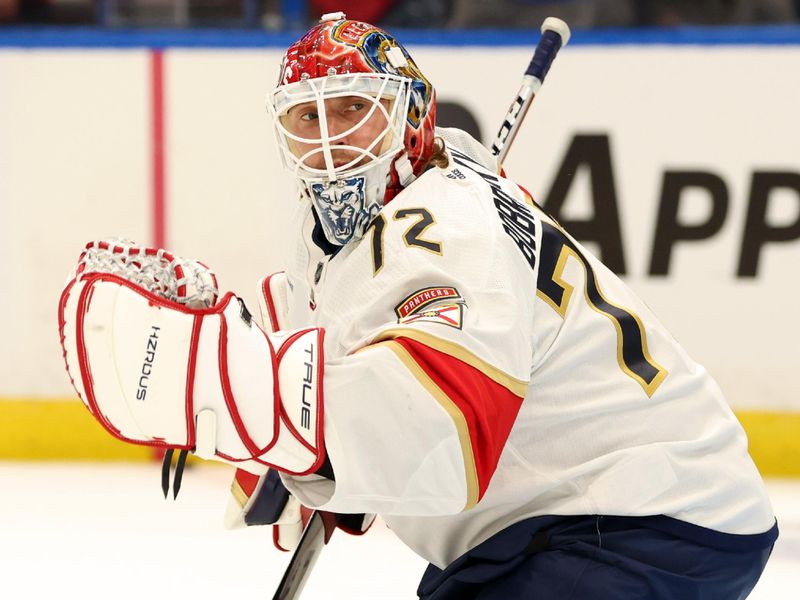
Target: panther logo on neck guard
point(341, 209)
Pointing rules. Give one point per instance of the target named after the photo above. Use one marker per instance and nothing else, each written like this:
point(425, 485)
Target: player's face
point(349, 123)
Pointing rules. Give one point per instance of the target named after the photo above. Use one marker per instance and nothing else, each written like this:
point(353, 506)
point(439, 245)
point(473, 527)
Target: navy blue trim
point(85, 37)
point(653, 557)
point(710, 538)
point(269, 502)
point(318, 237)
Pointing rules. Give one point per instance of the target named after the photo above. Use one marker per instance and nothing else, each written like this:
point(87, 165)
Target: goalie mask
point(354, 121)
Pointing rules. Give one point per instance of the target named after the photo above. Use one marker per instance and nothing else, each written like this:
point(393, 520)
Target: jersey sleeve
point(420, 405)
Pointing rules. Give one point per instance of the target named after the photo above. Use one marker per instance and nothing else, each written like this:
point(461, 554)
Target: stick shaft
point(302, 562)
point(555, 35)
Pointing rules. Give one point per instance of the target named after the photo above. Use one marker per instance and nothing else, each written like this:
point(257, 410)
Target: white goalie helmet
point(338, 136)
point(353, 120)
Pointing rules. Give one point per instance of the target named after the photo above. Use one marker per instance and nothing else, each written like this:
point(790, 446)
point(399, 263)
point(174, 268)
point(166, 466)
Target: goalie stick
point(555, 35)
point(315, 536)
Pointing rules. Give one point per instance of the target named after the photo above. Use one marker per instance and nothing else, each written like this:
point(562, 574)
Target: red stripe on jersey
point(247, 481)
point(489, 408)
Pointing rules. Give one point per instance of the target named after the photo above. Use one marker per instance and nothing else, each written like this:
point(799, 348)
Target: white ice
point(104, 531)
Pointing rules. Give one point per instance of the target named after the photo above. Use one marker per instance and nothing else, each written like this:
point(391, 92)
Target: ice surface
point(104, 531)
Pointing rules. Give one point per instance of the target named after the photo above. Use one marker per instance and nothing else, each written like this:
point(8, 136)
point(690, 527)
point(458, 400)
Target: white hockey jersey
point(482, 368)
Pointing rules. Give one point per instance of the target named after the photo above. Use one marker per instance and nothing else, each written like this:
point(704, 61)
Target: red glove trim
point(61, 325)
point(266, 291)
point(230, 401)
point(190, 424)
point(284, 417)
point(84, 301)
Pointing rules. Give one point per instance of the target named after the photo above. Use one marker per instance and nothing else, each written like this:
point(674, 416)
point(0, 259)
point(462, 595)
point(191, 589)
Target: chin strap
point(401, 175)
point(405, 172)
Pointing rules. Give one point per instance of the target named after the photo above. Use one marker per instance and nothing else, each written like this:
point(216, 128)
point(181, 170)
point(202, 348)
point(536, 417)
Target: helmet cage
point(372, 88)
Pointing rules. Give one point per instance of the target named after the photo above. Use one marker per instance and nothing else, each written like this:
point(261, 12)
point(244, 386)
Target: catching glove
point(159, 361)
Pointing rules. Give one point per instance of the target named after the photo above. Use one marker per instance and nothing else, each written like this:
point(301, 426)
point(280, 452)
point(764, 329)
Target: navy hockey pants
point(604, 558)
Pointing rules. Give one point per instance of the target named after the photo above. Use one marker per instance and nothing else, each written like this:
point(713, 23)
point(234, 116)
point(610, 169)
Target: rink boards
point(678, 162)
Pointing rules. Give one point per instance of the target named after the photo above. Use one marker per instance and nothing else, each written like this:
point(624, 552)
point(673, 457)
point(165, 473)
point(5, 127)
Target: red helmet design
point(342, 47)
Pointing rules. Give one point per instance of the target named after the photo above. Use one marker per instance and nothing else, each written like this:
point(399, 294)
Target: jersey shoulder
point(460, 224)
point(511, 207)
point(471, 198)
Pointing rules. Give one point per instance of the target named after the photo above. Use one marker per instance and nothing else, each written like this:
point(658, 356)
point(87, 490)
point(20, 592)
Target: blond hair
point(438, 157)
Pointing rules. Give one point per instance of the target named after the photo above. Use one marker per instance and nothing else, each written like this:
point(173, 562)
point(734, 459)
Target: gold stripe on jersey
point(527, 197)
point(560, 307)
point(238, 493)
point(450, 407)
point(517, 386)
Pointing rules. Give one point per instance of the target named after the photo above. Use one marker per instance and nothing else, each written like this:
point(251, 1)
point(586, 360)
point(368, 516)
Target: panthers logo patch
point(442, 305)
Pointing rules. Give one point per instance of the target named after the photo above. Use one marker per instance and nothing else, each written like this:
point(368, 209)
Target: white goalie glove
point(159, 361)
point(264, 500)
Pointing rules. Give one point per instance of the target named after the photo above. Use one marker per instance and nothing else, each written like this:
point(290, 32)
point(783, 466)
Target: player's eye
point(356, 106)
point(309, 116)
